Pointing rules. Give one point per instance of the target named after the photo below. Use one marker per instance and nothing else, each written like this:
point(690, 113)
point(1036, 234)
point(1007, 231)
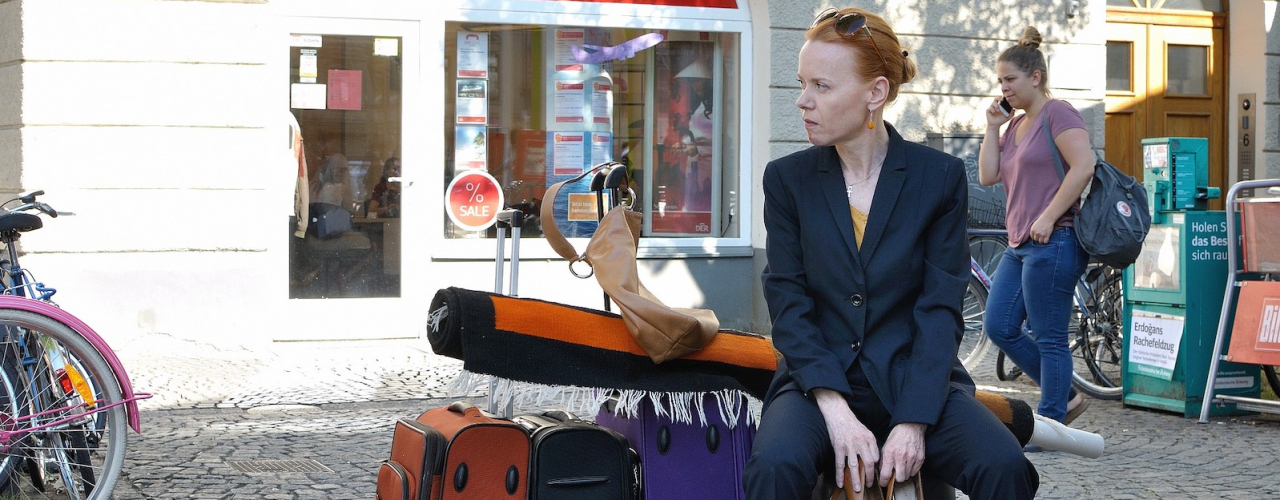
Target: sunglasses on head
point(847, 25)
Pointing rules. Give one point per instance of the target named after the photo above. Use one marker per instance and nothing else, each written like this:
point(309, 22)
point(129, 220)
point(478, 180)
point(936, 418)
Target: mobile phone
point(1005, 107)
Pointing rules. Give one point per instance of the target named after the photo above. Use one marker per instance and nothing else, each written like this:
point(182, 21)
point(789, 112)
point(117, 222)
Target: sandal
point(1075, 412)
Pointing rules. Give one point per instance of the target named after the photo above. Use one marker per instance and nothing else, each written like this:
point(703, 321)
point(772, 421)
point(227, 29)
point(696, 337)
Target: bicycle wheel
point(13, 409)
point(1270, 372)
point(973, 346)
point(987, 250)
point(1097, 342)
point(60, 364)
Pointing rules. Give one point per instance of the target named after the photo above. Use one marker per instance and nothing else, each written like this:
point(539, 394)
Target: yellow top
point(859, 224)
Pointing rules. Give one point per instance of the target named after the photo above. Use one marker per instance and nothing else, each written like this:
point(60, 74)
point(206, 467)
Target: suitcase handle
point(460, 407)
point(561, 416)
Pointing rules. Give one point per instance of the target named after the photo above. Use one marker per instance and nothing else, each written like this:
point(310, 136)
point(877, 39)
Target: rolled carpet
point(542, 342)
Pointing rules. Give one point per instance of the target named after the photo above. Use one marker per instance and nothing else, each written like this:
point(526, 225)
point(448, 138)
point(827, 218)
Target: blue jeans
point(1035, 283)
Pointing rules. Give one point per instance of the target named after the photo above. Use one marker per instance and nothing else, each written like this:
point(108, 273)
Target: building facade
point(170, 127)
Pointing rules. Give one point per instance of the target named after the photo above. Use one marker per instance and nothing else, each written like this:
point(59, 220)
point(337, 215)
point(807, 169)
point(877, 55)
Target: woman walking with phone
point(1038, 273)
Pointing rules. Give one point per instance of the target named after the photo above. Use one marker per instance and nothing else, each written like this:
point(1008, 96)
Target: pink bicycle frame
point(128, 397)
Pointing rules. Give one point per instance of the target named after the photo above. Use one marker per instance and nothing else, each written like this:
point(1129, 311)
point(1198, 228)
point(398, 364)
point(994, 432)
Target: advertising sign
point(1154, 341)
point(473, 200)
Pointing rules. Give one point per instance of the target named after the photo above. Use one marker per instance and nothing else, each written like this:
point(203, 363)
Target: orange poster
point(1255, 337)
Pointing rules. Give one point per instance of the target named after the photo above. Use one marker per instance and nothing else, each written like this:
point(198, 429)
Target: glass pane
point(1202, 5)
point(1188, 70)
point(345, 98)
point(533, 105)
point(1120, 66)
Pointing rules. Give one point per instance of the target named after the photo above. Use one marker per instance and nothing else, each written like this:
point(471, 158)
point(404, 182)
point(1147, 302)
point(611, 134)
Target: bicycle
point(1095, 332)
point(65, 398)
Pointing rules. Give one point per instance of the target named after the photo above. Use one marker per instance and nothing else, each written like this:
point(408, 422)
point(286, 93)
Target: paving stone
point(338, 404)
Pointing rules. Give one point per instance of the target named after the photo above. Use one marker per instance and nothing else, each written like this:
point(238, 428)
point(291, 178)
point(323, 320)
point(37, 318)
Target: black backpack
point(1113, 219)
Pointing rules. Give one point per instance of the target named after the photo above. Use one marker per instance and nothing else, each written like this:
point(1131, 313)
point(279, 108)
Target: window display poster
point(601, 148)
point(1154, 341)
point(473, 55)
point(684, 141)
point(582, 207)
point(570, 102)
point(602, 102)
point(567, 157)
point(565, 40)
point(568, 153)
point(307, 72)
point(345, 89)
point(472, 103)
point(469, 147)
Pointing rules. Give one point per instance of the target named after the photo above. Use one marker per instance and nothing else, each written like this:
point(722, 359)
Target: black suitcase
point(573, 459)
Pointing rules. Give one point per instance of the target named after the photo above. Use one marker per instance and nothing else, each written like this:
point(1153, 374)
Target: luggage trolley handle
point(613, 177)
point(512, 219)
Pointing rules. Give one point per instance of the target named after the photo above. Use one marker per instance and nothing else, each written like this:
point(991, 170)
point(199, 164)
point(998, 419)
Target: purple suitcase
point(681, 461)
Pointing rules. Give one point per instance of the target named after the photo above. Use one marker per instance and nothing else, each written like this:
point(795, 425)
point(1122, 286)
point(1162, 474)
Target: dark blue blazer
point(893, 304)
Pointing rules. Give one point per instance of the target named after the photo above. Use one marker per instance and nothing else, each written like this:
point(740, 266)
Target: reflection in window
point(345, 98)
point(1119, 66)
point(1188, 70)
point(536, 105)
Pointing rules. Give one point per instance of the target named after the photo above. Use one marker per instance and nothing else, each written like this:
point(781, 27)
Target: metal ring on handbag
point(575, 272)
point(631, 198)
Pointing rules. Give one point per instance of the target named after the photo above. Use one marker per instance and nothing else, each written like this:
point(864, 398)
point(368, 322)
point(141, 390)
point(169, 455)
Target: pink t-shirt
point(1028, 172)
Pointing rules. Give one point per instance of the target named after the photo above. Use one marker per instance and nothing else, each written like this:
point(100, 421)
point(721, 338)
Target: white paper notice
point(308, 96)
point(570, 101)
point(568, 153)
point(473, 55)
point(565, 39)
point(1154, 340)
point(601, 148)
point(472, 104)
point(602, 103)
point(307, 66)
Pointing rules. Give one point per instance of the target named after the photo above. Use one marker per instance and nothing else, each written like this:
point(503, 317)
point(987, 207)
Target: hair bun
point(1030, 38)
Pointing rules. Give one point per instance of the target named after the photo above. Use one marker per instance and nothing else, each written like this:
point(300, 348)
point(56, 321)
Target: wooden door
point(1176, 88)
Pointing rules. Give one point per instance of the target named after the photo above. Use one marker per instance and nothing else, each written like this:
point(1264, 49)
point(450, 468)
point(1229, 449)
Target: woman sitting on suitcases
point(867, 268)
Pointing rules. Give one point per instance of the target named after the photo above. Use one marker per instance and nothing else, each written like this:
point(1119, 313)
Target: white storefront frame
point(432, 261)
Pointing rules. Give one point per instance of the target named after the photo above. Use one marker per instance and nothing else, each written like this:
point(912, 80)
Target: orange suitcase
point(486, 458)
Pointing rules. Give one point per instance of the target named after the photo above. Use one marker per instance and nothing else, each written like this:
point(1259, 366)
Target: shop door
point(1166, 80)
point(348, 82)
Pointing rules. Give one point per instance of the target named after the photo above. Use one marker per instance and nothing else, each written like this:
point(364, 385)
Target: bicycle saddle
point(20, 222)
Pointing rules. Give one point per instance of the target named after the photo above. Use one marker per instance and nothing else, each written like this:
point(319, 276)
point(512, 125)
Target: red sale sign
point(473, 200)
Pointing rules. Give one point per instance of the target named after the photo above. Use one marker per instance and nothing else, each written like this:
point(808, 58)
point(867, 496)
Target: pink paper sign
point(344, 89)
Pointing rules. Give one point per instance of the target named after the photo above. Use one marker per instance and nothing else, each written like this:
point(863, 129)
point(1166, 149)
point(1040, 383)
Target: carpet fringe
point(680, 407)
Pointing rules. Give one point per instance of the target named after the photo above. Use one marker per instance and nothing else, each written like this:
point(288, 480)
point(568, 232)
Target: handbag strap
point(551, 230)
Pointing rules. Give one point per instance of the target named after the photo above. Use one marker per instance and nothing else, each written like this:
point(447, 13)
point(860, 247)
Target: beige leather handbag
point(663, 332)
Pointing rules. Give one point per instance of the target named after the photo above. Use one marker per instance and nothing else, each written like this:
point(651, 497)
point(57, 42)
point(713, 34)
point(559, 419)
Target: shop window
point(533, 105)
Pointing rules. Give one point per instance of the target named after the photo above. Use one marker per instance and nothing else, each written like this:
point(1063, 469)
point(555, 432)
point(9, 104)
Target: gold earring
point(871, 124)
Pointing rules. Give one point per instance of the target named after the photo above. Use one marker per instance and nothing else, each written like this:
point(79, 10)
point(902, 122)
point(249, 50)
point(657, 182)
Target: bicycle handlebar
point(29, 202)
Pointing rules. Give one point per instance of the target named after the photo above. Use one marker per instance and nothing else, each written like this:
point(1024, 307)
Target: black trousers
point(968, 448)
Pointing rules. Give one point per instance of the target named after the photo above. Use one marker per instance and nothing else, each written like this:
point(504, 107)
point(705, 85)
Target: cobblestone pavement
point(334, 404)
